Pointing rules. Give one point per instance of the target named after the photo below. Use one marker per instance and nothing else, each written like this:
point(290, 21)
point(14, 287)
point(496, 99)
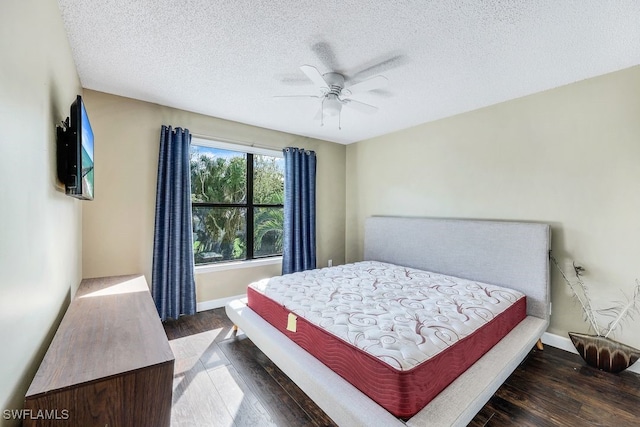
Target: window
point(237, 203)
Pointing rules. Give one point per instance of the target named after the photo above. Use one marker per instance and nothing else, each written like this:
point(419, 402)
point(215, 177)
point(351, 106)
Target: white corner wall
point(40, 228)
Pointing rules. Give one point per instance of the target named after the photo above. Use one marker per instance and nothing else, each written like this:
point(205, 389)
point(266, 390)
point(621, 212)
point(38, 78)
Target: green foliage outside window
point(221, 208)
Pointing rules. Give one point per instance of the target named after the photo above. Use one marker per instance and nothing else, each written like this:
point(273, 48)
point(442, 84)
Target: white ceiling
point(229, 58)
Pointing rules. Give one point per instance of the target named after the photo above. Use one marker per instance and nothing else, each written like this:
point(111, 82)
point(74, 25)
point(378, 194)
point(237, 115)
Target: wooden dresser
point(109, 363)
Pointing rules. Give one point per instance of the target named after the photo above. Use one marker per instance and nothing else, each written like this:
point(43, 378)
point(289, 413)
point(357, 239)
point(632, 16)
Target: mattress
point(399, 335)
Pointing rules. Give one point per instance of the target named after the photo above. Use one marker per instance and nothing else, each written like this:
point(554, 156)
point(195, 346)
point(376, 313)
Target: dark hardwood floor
point(222, 379)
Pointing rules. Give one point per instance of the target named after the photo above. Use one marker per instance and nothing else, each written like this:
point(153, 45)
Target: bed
point(509, 254)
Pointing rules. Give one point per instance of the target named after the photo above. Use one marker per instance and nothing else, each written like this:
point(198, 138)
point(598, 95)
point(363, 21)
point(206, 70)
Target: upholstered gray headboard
point(510, 254)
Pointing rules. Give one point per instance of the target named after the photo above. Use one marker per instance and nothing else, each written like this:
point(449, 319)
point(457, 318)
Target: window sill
point(237, 265)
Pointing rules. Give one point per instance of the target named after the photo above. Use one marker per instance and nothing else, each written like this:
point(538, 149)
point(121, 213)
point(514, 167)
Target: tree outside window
point(237, 204)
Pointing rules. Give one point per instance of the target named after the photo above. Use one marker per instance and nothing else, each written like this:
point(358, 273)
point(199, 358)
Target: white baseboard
point(565, 344)
point(558, 342)
point(216, 303)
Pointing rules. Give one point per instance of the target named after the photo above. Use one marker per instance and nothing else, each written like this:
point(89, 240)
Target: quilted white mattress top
point(400, 315)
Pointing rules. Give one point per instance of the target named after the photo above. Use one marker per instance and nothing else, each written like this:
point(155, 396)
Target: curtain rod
point(235, 141)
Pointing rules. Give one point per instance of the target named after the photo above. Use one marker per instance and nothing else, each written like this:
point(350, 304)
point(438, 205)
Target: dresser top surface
point(111, 327)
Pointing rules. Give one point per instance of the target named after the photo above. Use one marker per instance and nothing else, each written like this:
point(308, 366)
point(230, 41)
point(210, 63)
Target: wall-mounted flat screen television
point(75, 153)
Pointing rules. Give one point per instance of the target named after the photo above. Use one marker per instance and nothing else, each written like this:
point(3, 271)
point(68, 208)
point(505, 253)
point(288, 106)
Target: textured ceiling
point(229, 58)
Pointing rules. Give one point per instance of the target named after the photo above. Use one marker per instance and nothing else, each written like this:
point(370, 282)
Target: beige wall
point(40, 242)
point(118, 224)
point(228, 283)
point(568, 157)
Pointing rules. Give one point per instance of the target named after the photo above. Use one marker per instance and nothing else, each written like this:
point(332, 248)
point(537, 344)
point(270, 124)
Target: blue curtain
point(173, 285)
point(299, 237)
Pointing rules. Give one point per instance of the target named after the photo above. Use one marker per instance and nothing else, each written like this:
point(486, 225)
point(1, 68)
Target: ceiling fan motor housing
point(335, 82)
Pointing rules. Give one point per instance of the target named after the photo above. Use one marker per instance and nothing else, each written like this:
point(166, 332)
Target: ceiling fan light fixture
point(332, 106)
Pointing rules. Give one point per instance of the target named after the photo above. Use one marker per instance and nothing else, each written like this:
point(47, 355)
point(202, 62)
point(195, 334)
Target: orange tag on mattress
point(291, 322)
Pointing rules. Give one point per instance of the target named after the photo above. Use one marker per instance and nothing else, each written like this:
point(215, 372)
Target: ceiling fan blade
point(360, 106)
point(315, 76)
point(380, 65)
point(326, 55)
point(373, 83)
point(296, 96)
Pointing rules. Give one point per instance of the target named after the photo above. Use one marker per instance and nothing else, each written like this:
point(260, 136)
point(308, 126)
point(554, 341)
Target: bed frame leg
point(539, 345)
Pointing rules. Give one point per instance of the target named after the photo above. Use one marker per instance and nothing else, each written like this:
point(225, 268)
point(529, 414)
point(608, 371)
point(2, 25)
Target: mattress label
point(291, 322)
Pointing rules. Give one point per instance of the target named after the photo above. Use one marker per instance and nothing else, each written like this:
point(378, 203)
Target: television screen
point(86, 143)
point(75, 153)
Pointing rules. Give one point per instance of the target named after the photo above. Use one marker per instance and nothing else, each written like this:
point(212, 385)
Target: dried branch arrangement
point(618, 313)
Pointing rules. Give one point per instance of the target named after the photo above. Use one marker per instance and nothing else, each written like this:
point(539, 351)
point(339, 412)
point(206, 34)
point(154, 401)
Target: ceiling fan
point(334, 95)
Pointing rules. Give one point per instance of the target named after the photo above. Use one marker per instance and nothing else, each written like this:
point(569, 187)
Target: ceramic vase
point(604, 353)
